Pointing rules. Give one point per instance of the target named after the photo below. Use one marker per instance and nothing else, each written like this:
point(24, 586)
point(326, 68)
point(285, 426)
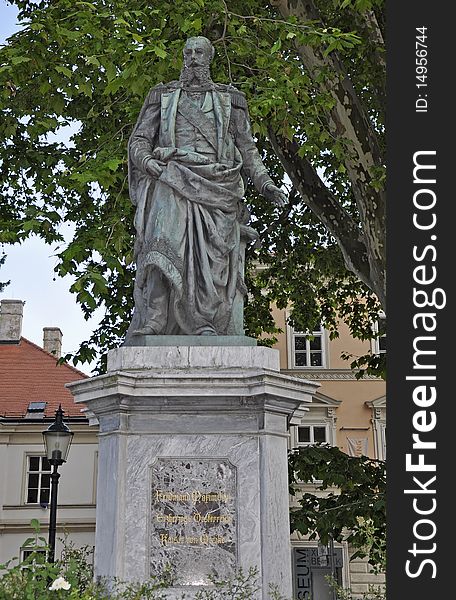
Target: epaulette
point(238, 98)
point(161, 88)
point(156, 92)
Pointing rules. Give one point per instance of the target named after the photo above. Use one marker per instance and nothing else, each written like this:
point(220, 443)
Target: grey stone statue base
point(190, 340)
point(192, 465)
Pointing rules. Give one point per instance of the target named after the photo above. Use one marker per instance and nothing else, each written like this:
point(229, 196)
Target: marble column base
point(192, 467)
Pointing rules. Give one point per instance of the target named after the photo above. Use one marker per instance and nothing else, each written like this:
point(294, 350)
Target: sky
point(30, 269)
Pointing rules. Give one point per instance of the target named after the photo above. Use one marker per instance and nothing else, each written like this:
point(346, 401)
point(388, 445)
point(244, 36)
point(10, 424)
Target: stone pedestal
point(192, 465)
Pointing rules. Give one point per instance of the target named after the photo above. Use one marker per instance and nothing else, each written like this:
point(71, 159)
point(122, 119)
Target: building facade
point(32, 386)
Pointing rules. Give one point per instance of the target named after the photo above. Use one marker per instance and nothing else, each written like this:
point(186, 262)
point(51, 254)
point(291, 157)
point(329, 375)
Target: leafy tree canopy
point(314, 79)
point(356, 512)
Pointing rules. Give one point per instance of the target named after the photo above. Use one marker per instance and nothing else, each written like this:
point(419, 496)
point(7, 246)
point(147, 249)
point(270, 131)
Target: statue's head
point(198, 52)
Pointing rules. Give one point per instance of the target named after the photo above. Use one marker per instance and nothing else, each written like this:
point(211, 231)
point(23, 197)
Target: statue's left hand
point(275, 195)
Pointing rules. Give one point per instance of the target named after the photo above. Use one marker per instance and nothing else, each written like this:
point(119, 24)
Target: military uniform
point(188, 220)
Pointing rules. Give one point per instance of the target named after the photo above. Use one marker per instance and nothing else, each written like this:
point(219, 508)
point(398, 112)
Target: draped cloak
point(188, 221)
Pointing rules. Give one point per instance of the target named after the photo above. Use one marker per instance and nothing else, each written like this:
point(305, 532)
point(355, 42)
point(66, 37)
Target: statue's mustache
point(194, 68)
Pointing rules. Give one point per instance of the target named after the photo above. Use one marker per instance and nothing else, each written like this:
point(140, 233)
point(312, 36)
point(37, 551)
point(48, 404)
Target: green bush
point(71, 578)
point(373, 593)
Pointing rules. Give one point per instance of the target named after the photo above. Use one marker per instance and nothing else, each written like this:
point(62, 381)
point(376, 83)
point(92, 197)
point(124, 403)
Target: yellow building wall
point(345, 343)
point(338, 382)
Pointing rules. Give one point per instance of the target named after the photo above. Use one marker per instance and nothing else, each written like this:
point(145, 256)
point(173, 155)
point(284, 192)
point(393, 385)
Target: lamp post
point(57, 441)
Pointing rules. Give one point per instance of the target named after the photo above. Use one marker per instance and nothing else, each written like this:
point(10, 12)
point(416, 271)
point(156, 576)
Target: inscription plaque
point(193, 519)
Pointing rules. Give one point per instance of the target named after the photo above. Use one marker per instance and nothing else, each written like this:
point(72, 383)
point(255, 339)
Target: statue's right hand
point(153, 168)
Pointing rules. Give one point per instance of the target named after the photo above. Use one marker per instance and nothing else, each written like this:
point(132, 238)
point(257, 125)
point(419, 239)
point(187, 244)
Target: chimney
point(52, 341)
point(11, 321)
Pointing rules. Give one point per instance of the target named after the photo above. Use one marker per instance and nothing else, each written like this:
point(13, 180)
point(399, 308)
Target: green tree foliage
point(3, 284)
point(356, 512)
point(79, 71)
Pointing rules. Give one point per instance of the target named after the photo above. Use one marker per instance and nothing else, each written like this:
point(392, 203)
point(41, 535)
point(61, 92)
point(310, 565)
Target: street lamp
point(57, 441)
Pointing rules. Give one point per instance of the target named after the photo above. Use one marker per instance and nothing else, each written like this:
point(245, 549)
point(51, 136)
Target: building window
point(312, 434)
point(379, 343)
point(36, 410)
point(38, 480)
point(308, 349)
point(27, 552)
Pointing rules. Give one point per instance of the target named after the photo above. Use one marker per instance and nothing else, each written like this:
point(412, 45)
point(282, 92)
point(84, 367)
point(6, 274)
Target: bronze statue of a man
point(189, 155)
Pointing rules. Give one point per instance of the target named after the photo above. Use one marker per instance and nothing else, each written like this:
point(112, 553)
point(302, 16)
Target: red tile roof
point(30, 374)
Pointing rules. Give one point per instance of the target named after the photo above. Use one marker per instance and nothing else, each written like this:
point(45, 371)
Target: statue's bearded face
point(197, 60)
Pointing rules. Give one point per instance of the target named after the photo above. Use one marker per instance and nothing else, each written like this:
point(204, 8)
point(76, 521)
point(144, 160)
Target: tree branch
point(324, 205)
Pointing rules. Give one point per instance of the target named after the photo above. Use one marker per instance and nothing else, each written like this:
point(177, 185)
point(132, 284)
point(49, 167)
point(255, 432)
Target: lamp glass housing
point(57, 445)
point(57, 439)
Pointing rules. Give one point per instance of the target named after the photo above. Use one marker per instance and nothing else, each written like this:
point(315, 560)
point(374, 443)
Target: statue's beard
point(195, 76)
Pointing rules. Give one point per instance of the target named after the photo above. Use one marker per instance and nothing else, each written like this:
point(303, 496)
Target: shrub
point(71, 578)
